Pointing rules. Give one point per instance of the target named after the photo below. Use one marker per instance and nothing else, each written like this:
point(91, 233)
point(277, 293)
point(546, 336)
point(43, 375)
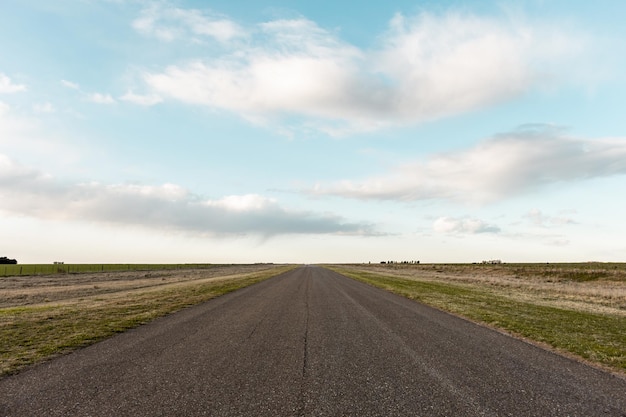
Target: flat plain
point(577, 309)
point(311, 342)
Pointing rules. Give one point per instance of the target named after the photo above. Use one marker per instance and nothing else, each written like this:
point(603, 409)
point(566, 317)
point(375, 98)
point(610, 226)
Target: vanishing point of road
point(311, 342)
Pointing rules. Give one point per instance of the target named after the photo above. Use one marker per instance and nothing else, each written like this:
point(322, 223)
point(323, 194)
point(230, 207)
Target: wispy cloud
point(70, 85)
point(28, 192)
point(43, 108)
point(142, 100)
point(540, 219)
point(7, 86)
point(464, 225)
point(100, 98)
point(423, 68)
point(11, 124)
point(93, 97)
point(508, 164)
point(168, 23)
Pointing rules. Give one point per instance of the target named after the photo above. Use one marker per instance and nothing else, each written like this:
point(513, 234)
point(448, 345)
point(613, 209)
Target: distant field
point(49, 269)
point(45, 315)
point(579, 309)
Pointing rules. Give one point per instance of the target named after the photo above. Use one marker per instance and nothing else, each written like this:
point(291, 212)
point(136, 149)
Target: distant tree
point(7, 261)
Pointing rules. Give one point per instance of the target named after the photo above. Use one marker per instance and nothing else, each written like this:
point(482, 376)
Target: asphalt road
point(312, 343)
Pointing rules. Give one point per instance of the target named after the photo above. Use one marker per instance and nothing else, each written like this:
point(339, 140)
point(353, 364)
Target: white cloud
point(100, 98)
point(170, 23)
point(70, 85)
point(248, 202)
point(424, 68)
point(12, 125)
point(451, 225)
point(8, 87)
point(538, 218)
point(308, 74)
point(509, 164)
point(43, 108)
point(142, 100)
point(27, 192)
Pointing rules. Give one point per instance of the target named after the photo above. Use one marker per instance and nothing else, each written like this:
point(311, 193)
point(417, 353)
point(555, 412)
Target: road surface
point(312, 343)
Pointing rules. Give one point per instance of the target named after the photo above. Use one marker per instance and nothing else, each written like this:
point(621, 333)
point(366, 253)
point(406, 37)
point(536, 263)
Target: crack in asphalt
point(305, 353)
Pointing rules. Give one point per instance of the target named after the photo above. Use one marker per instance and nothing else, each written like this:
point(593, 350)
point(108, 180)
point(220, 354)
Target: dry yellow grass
point(547, 285)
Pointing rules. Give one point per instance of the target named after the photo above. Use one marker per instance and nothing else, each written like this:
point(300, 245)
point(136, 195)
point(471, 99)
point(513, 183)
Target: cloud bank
point(422, 68)
point(506, 165)
point(28, 192)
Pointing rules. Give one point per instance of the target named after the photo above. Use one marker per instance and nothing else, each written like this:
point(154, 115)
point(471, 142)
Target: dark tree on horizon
point(7, 261)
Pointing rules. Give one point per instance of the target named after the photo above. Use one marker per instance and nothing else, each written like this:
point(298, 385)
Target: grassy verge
point(598, 338)
point(32, 333)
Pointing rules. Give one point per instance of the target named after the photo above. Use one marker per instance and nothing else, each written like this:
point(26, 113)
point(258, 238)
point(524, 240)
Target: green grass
point(49, 269)
point(599, 338)
point(29, 334)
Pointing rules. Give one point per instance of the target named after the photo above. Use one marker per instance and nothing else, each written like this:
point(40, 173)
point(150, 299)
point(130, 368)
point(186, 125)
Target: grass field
point(577, 309)
point(49, 269)
point(45, 315)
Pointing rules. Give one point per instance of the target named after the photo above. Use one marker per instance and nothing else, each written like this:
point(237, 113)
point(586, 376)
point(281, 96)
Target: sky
point(137, 131)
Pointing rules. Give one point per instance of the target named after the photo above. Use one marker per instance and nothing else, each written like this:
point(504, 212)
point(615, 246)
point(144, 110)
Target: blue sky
point(298, 131)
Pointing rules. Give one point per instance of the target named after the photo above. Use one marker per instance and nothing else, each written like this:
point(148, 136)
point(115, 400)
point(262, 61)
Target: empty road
point(312, 343)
